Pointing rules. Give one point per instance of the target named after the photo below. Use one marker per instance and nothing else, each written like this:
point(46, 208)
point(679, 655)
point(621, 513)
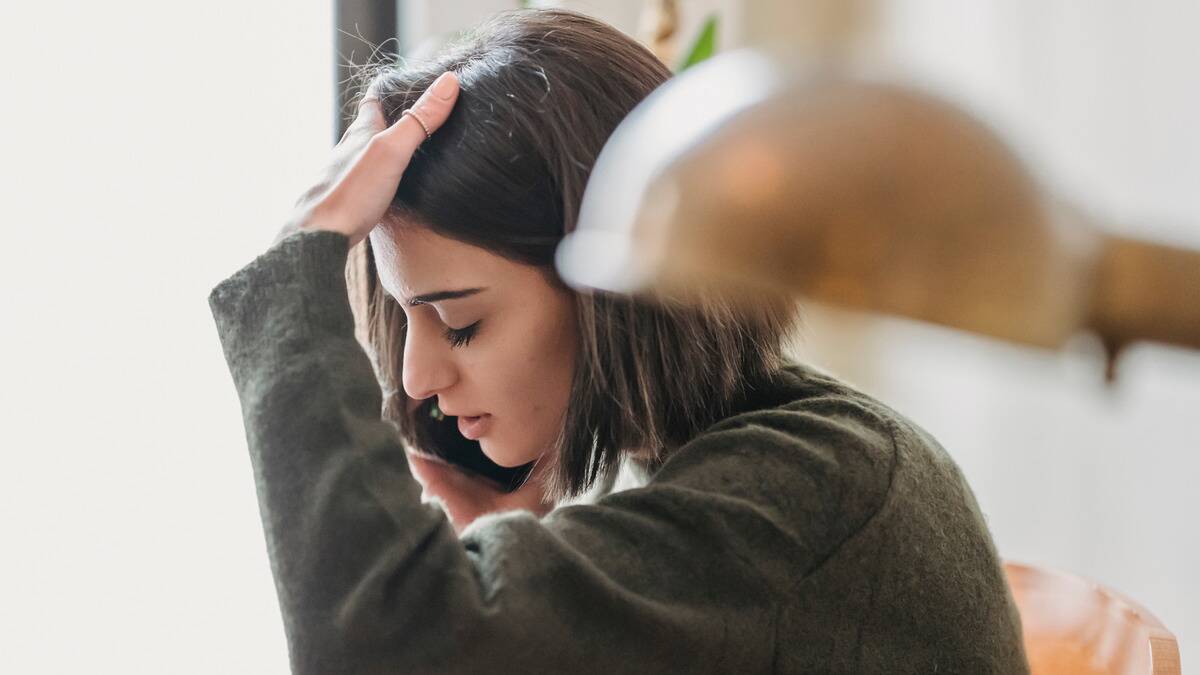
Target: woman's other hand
point(467, 497)
point(355, 189)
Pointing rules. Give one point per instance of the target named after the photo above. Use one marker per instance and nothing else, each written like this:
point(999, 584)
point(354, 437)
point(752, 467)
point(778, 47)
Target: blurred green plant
point(704, 46)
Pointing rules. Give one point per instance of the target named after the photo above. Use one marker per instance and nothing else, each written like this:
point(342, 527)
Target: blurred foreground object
point(658, 27)
point(1076, 627)
point(745, 174)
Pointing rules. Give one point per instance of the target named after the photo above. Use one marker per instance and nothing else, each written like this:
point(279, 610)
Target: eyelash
point(461, 337)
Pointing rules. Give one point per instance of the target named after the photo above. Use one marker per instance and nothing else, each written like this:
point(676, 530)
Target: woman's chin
point(506, 457)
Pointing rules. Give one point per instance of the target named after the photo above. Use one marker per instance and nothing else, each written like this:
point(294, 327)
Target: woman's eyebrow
point(443, 295)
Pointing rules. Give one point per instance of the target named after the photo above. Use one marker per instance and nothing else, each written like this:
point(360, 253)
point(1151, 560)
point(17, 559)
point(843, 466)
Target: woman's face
point(492, 339)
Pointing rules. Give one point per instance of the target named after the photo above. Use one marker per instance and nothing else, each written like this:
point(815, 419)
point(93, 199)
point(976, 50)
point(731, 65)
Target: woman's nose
point(428, 366)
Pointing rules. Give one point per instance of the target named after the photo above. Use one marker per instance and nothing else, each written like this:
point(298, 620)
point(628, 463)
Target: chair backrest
point(1076, 627)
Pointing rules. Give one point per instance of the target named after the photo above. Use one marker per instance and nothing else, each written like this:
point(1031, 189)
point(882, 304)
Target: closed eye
point(461, 337)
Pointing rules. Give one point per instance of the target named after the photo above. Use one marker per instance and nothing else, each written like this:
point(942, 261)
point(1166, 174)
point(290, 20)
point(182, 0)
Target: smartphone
point(439, 436)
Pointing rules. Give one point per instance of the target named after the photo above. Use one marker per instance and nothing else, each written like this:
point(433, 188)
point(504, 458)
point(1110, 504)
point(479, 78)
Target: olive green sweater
point(813, 531)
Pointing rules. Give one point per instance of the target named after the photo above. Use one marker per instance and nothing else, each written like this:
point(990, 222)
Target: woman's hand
point(361, 179)
point(467, 497)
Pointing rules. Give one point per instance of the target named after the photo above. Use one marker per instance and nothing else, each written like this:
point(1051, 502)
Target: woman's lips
point(474, 427)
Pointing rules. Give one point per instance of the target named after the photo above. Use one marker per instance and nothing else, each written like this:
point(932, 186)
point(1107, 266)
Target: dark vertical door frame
point(359, 27)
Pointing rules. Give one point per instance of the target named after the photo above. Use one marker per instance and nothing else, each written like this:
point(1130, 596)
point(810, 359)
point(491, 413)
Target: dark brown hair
point(540, 93)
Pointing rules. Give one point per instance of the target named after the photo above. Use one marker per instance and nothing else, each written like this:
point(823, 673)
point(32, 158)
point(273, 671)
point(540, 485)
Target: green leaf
point(704, 46)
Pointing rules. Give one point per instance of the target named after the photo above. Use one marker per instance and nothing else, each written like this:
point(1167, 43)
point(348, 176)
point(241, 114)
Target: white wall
point(148, 151)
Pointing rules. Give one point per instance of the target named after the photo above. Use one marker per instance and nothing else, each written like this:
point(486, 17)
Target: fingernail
point(443, 87)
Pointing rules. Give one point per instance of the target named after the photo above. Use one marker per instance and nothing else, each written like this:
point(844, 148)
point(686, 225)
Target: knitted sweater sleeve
point(681, 575)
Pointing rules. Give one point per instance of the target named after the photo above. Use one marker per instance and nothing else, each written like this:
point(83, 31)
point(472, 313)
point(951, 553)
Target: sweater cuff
point(317, 257)
point(295, 289)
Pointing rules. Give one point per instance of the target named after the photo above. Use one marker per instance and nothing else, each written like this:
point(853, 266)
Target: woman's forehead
point(413, 260)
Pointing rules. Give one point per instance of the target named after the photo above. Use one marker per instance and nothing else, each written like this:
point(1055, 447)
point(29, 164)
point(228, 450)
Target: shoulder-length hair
point(540, 93)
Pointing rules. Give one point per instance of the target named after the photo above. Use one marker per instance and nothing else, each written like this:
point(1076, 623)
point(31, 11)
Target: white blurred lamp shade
point(745, 173)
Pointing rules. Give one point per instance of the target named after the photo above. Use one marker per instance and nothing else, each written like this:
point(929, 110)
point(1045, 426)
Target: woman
point(787, 523)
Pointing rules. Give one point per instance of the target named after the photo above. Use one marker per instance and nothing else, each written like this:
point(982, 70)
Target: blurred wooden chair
point(1076, 627)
